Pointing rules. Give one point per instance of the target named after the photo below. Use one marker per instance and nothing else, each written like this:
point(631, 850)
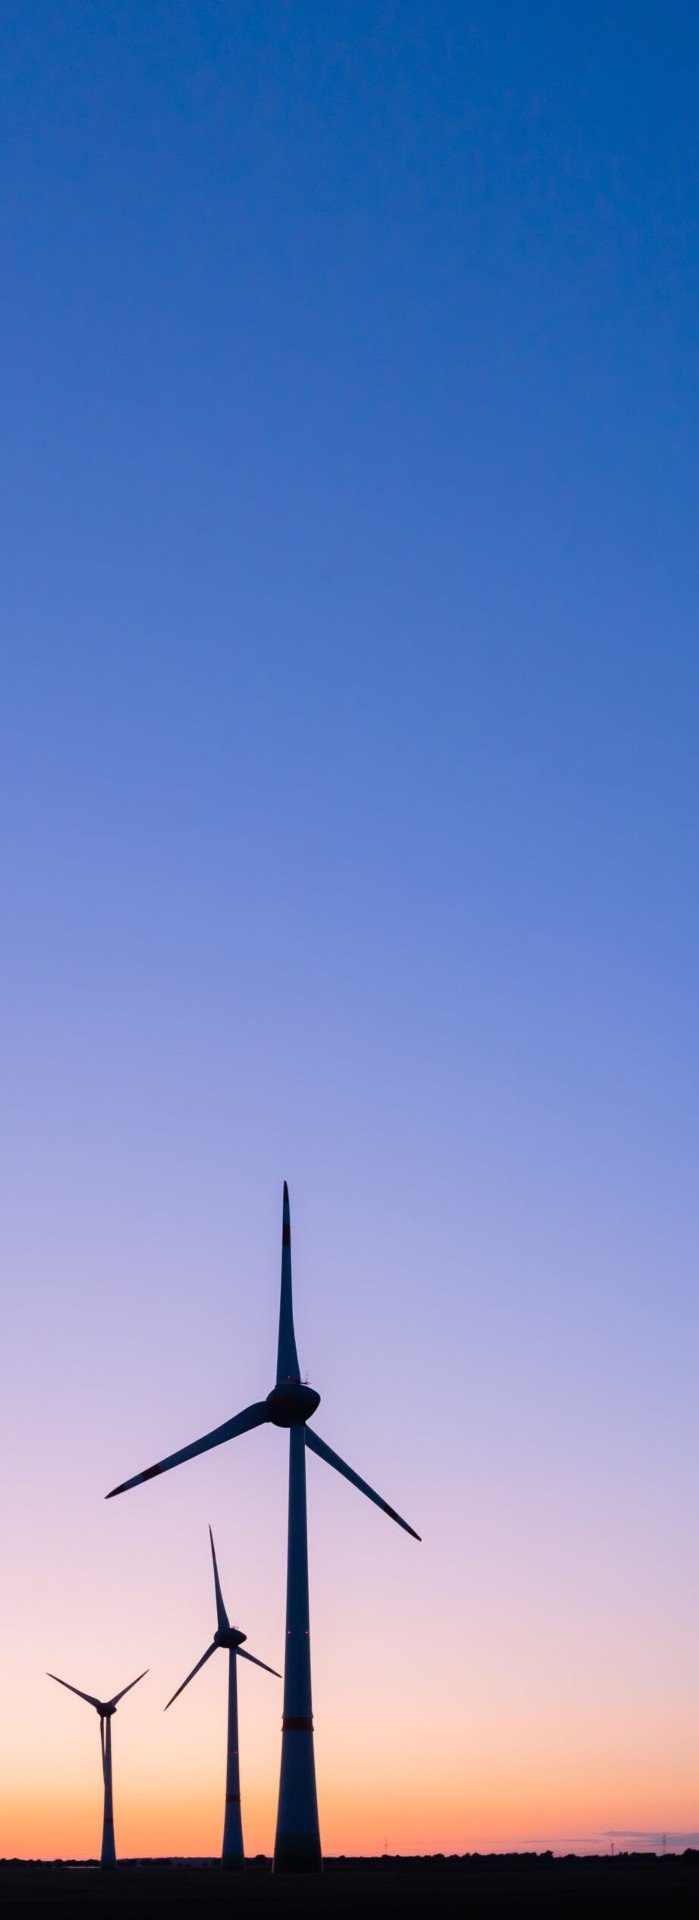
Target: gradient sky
point(349, 834)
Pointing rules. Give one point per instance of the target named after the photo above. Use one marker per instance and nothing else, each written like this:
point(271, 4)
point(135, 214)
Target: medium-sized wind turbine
point(105, 1709)
point(228, 1637)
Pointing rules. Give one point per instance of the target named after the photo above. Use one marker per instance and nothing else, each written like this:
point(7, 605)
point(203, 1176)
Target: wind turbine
point(290, 1404)
point(232, 1852)
point(106, 1709)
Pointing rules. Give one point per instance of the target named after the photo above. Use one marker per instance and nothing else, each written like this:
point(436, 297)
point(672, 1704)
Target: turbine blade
point(242, 1655)
point(81, 1696)
point(221, 1615)
point(190, 1676)
point(287, 1357)
point(324, 1452)
point(132, 1683)
point(253, 1416)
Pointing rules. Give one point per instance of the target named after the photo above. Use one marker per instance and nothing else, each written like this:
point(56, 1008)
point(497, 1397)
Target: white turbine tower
point(106, 1710)
point(228, 1637)
point(290, 1404)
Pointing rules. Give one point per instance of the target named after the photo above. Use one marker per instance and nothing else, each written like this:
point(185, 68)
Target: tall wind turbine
point(232, 1852)
point(106, 1710)
point(291, 1404)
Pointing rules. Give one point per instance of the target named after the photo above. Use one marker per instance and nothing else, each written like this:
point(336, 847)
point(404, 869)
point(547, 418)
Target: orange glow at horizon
point(407, 1802)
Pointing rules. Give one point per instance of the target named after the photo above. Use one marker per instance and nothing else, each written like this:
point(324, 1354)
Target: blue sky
point(348, 758)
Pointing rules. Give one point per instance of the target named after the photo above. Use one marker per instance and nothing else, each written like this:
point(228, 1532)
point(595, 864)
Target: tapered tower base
point(298, 1853)
point(108, 1855)
point(297, 1841)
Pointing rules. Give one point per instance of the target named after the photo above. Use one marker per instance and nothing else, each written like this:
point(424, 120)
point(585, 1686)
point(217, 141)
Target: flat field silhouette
point(487, 1885)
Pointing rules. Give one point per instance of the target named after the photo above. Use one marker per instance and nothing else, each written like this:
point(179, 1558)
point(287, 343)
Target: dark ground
point(525, 1885)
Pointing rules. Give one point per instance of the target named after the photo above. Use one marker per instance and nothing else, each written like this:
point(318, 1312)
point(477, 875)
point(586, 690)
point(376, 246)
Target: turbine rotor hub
point(229, 1637)
point(291, 1403)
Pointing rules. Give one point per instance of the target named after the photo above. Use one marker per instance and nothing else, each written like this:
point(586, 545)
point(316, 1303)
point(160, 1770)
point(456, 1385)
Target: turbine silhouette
point(228, 1637)
point(106, 1710)
point(290, 1404)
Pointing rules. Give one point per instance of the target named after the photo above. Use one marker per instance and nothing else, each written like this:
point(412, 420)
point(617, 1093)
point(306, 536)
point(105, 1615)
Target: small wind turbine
point(226, 1636)
point(105, 1709)
point(290, 1405)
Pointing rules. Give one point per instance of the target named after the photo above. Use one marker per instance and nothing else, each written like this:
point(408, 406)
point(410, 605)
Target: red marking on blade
point(297, 1723)
point(286, 1234)
point(148, 1475)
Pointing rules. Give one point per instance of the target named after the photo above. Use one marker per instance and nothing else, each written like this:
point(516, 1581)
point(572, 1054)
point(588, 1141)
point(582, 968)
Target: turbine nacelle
point(229, 1637)
point(291, 1403)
